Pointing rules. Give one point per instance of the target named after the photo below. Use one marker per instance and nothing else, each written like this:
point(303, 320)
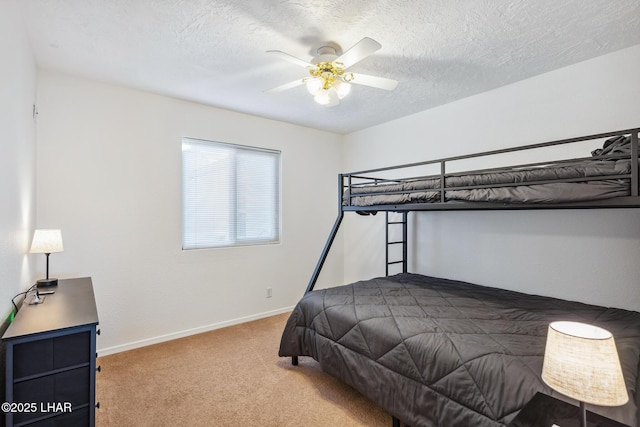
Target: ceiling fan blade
point(358, 52)
point(373, 81)
point(286, 86)
point(282, 55)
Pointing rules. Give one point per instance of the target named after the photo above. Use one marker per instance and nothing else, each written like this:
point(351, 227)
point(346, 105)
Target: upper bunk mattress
point(513, 185)
point(439, 352)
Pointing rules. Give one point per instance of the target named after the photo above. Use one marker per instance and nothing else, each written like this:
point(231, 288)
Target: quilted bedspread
point(436, 352)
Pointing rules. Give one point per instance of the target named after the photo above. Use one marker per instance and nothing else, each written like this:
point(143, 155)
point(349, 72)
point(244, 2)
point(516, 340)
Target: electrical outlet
point(269, 292)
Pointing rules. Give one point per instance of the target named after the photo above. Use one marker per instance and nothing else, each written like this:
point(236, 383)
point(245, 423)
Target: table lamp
point(47, 242)
point(581, 361)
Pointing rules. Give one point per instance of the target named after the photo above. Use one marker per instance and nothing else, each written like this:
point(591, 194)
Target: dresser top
point(73, 304)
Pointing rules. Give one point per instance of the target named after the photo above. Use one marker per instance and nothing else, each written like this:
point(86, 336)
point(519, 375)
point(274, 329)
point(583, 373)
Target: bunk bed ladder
point(393, 240)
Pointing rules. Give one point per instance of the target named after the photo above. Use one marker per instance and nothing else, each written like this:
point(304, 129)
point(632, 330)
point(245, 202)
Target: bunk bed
point(436, 352)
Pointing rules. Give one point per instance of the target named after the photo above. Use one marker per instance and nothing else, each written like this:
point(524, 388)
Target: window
point(230, 195)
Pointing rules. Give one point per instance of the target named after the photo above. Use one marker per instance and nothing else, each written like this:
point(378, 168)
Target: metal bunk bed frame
point(346, 182)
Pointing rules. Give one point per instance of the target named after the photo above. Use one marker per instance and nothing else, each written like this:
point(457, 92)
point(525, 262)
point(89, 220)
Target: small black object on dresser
point(51, 359)
point(546, 411)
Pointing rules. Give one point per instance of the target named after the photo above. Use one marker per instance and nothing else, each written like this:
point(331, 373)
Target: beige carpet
point(227, 377)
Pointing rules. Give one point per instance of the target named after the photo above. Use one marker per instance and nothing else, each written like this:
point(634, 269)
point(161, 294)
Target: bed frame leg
point(294, 360)
point(325, 251)
point(396, 422)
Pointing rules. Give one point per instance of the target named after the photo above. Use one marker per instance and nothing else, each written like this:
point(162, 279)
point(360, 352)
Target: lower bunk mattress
point(436, 352)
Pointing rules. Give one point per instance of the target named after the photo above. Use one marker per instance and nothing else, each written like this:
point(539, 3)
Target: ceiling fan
point(329, 81)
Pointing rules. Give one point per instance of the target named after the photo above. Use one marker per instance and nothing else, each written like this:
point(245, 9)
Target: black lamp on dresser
point(51, 359)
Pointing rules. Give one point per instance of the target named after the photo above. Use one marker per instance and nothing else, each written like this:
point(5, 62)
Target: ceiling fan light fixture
point(323, 98)
point(328, 80)
point(314, 85)
point(342, 88)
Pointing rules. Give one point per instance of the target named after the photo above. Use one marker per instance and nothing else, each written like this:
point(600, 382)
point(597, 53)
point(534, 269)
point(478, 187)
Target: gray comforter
point(436, 352)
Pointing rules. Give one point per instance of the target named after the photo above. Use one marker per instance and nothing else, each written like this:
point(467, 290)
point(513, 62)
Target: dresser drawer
point(77, 418)
point(40, 356)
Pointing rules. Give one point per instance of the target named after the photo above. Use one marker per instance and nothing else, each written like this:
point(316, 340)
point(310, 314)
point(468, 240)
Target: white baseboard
point(181, 334)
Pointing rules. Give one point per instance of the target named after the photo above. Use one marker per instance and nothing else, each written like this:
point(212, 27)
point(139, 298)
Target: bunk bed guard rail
point(388, 193)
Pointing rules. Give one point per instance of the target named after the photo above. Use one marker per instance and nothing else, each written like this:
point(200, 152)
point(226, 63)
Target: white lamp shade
point(46, 242)
point(581, 361)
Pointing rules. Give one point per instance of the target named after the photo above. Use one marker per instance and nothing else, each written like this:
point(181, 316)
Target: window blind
point(230, 195)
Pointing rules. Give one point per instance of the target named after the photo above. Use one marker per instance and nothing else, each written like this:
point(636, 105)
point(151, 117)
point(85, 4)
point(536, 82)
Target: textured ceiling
point(214, 51)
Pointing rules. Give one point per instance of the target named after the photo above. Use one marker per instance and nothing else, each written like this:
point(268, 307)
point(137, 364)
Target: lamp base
point(43, 283)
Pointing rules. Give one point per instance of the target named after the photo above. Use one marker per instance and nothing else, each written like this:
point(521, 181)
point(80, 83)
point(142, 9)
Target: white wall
point(108, 164)
point(590, 256)
point(109, 175)
point(17, 155)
